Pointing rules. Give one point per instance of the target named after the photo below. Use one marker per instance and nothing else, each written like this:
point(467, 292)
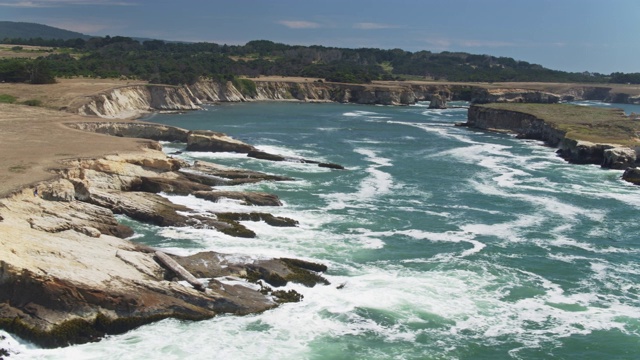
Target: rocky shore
point(610, 155)
point(68, 275)
point(136, 100)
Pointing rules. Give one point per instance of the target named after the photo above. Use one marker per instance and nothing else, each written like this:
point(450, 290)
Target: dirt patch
point(64, 92)
point(34, 140)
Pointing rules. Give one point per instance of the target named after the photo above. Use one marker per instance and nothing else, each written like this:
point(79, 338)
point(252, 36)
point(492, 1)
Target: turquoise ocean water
point(450, 243)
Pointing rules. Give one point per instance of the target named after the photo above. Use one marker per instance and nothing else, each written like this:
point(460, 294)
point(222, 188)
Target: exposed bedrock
point(437, 102)
point(135, 101)
point(524, 125)
point(632, 175)
point(214, 174)
point(484, 95)
point(199, 140)
point(205, 140)
point(619, 158)
point(275, 272)
point(72, 279)
point(136, 129)
point(528, 126)
point(257, 154)
point(245, 198)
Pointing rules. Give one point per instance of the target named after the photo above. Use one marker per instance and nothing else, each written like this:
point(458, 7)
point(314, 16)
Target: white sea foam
point(376, 184)
point(360, 113)
point(385, 301)
point(287, 152)
point(214, 155)
point(442, 130)
point(461, 294)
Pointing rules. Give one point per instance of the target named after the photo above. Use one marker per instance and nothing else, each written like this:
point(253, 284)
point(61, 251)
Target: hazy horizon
point(570, 35)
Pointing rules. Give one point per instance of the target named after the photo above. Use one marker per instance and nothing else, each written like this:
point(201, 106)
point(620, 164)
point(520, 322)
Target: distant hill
point(23, 30)
point(178, 63)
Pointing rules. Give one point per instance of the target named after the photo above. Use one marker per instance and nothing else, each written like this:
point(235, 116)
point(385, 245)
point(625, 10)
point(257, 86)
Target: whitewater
point(442, 242)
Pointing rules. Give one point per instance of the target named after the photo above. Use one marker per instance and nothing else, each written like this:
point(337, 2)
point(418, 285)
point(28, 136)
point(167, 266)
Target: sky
point(569, 35)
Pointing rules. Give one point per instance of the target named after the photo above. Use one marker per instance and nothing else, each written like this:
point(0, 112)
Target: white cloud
point(439, 43)
point(484, 43)
point(299, 24)
point(444, 43)
point(373, 26)
point(85, 28)
point(62, 3)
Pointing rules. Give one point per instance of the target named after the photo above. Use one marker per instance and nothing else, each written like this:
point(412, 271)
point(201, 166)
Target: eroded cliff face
point(68, 275)
point(524, 125)
point(483, 96)
point(528, 126)
point(599, 93)
point(134, 101)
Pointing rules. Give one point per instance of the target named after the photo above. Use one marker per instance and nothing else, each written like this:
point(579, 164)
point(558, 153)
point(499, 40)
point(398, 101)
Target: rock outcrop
point(584, 152)
point(525, 125)
point(632, 175)
point(484, 95)
point(528, 126)
point(133, 101)
point(619, 158)
point(437, 102)
point(72, 278)
point(204, 140)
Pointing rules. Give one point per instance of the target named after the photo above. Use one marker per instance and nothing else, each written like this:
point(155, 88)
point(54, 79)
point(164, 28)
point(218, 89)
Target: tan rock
point(60, 190)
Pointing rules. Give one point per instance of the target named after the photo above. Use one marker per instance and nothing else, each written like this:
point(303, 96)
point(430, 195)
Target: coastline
point(67, 273)
point(70, 165)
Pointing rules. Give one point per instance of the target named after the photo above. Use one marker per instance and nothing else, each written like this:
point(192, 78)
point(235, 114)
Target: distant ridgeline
point(184, 63)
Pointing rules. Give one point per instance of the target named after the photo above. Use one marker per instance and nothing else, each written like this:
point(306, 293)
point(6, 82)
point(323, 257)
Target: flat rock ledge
point(68, 275)
point(196, 140)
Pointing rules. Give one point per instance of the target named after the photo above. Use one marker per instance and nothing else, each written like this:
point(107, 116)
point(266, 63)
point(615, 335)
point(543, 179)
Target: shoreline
point(69, 274)
point(85, 177)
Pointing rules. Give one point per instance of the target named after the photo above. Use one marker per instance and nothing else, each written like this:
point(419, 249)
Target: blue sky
point(571, 35)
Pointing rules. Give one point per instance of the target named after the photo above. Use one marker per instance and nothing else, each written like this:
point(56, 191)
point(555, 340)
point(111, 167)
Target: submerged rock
point(245, 198)
point(214, 174)
point(275, 272)
point(632, 175)
point(265, 156)
point(253, 216)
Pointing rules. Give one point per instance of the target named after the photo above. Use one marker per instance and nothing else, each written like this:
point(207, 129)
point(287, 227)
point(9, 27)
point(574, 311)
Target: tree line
point(185, 63)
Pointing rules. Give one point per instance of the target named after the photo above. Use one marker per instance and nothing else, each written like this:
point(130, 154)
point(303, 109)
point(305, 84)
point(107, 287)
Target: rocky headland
point(69, 275)
point(583, 135)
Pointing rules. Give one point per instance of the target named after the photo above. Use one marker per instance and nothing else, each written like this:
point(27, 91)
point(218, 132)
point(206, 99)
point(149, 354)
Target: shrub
point(32, 102)
point(7, 99)
point(245, 86)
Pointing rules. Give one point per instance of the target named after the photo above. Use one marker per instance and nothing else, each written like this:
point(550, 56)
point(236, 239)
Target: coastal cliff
point(614, 154)
point(133, 101)
point(137, 100)
point(68, 275)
